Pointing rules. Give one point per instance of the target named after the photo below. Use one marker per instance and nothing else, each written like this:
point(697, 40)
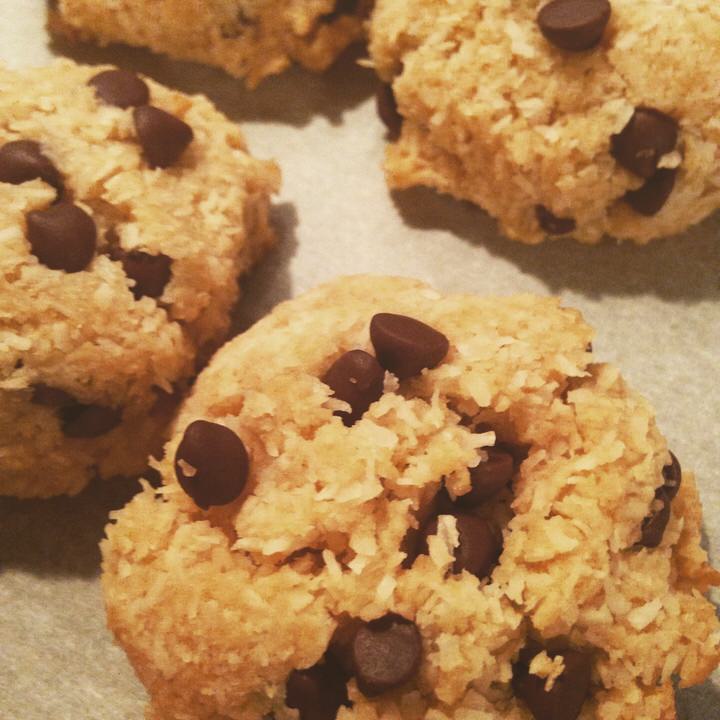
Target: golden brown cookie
point(128, 211)
point(247, 38)
point(382, 502)
point(578, 118)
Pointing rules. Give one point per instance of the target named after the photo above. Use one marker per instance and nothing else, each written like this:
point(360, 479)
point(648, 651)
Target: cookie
point(127, 212)
point(578, 118)
point(249, 40)
point(383, 502)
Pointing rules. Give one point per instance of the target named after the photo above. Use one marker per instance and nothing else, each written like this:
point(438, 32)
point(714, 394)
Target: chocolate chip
point(317, 692)
point(442, 503)
point(488, 478)
point(88, 421)
point(649, 199)
point(49, 396)
point(648, 135)
point(151, 273)
point(386, 654)
point(357, 379)
point(120, 87)
point(211, 464)
point(478, 550)
point(410, 545)
point(77, 420)
point(153, 476)
point(387, 110)
point(672, 475)
point(552, 224)
point(62, 237)
point(414, 542)
point(653, 526)
point(574, 25)
point(405, 346)
point(341, 643)
point(23, 160)
point(567, 696)
point(163, 136)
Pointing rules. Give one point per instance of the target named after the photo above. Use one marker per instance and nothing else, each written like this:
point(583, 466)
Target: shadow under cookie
point(678, 268)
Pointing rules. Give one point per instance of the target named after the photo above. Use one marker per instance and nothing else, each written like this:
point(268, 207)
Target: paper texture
point(656, 311)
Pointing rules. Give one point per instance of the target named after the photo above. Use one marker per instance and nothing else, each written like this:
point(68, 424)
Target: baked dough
point(249, 39)
point(362, 552)
point(124, 230)
point(620, 138)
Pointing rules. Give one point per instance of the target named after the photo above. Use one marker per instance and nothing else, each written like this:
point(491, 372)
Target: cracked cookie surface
point(497, 516)
point(128, 212)
point(247, 38)
point(578, 118)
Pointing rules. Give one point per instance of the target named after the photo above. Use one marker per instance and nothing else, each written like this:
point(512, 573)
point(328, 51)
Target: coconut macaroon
point(578, 118)
point(383, 502)
point(127, 212)
point(247, 38)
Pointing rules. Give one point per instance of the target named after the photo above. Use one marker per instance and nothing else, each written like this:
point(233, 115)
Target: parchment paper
point(656, 310)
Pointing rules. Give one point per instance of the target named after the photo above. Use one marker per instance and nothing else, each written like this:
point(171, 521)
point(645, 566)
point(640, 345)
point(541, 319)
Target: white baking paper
point(656, 310)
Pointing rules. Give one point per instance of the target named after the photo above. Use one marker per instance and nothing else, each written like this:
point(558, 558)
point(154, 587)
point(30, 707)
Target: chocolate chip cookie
point(380, 502)
point(247, 38)
point(128, 211)
point(578, 118)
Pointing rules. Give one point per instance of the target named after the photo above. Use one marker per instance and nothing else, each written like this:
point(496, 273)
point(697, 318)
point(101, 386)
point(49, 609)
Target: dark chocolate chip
point(151, 273)
point(648, 135)
point(88, 421)
point(211, 464)
point(153, 476)
point(552, 224)
point(387, 110)
point(410, 545)
point(317, 692)
point(653, 526)
point(23, 160)
point(414, 542)
point(386, 654)
point(77, 420)
point(488, 478)
point(478, 550)
point(163, 136)
point(568, 694)
point(341, 643)
point(121, 88)
point(50, 396)
point(574, 25)
point(406, 346)
point(649, 198)
point(672, 475)
point(442, 504)
point(356, 378)
point(62, 237)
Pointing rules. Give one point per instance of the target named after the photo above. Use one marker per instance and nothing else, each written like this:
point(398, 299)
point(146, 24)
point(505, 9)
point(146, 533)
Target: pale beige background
point(657, 312)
